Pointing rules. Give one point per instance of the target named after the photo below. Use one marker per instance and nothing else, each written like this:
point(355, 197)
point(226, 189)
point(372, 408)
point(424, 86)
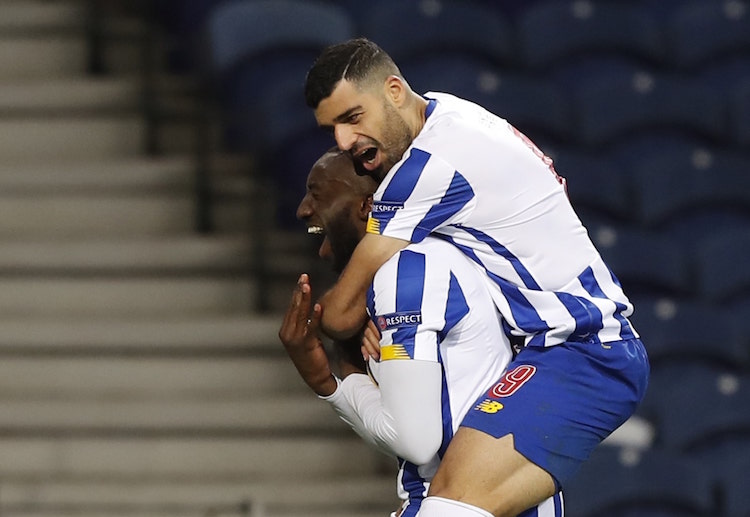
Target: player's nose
point(345, 137)
point(305, 209)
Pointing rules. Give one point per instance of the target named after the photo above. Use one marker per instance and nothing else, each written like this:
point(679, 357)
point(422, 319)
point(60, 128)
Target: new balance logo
point(489, 406)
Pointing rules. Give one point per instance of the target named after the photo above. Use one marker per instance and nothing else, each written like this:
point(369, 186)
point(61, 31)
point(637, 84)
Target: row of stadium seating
point(645, 107)
point(531, 34)
point(252, 56)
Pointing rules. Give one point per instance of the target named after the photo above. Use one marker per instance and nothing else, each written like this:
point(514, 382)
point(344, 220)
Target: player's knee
point(441, 507)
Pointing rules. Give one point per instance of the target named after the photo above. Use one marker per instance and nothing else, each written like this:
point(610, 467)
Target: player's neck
point(420, 113)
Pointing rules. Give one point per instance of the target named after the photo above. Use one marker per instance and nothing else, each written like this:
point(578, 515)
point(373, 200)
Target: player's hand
point(299, 334)
point(371, 342)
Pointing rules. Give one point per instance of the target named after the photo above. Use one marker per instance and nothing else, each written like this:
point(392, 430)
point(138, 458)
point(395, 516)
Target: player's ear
point(396, 89)
point(365, 208)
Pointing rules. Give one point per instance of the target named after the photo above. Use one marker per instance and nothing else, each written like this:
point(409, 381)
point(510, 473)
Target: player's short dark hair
point(355, 60)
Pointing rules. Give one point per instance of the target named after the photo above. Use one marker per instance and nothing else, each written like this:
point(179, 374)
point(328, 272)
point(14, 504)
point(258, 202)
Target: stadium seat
point(700, 31)
point(512, 9)
point(662, 10)
point(733, 484)
point(675, 330)
point(560, 30)
point(724, 75)
point(644, 262)
point(258, 52)
point(261, 113)
point(628, 152)
point(740, 114)
point(409, 30)
point(626, 482)
point(688, 193)
point(181, 21)
point(533, 106)
point(695, 406)
point(290, 162)
point(595, 183)
point(721, 266)
point(615, 99)
point(240, 30)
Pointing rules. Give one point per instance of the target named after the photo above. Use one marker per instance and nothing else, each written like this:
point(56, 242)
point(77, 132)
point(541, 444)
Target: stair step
point(170, 255)
point(79, 215)
point(54, 55)
point(139, 379)
point(203, 459)
point(124, 297)
point(41, 14)
point(335, 492)
point(60, 139)
point(241, 333)
point(171, 173)
point(275, 414)
point(68, 95)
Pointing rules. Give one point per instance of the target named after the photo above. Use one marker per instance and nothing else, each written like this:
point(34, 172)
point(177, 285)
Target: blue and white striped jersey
point(472, 179)
point(432, 304)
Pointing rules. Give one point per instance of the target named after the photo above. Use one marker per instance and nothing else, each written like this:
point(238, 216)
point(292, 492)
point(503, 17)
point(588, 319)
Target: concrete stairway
point(135, 378)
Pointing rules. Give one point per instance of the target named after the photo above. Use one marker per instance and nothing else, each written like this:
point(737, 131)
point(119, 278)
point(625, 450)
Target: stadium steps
point(187, 458)
point(201, 498)
point(135, 379)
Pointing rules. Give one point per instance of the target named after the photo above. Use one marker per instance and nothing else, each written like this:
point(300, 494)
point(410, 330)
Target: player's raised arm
point(344, 311)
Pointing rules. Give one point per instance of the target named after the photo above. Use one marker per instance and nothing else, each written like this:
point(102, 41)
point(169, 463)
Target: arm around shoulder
point(344, 305)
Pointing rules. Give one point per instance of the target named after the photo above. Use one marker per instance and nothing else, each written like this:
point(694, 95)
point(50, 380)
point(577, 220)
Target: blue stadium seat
point(561, 30)
point(533, 106)
point(722, 270)
point(729, 78)
point(696, 406)
point(512, 9)
point(408, 30)
point(291, 162)
point(690, 192)
point(240, 30)
point(183, 16)
point(262, 113)
point(595, 183)
point(623, 482)
point(181, 21)
point(644, 262)
point(258, 54)
point(740, 114)
point(687, 330)
point(701, 31)
point(733, 486)
point(614, 99)
point(724, 75)
point(662, 10)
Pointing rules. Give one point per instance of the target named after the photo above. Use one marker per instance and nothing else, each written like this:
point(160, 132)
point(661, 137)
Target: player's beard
point(395, 140)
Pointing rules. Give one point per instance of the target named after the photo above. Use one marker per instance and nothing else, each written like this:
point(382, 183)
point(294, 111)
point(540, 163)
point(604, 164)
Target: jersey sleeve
point(401, 416)
point(409, 311)
point(422, 195)
point(403, 413)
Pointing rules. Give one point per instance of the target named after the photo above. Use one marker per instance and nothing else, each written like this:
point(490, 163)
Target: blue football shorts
point(560, 402)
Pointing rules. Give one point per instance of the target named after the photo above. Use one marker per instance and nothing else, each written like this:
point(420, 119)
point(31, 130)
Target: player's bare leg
point(489, 473)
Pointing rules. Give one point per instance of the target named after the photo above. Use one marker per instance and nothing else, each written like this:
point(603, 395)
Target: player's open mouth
point(315, 230)
point(369, 158)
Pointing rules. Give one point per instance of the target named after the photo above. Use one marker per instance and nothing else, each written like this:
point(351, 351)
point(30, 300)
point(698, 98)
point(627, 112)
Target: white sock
point(440, 507)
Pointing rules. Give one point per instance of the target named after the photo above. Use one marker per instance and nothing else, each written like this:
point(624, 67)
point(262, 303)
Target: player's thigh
point(488, 472)
point(560, 402)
